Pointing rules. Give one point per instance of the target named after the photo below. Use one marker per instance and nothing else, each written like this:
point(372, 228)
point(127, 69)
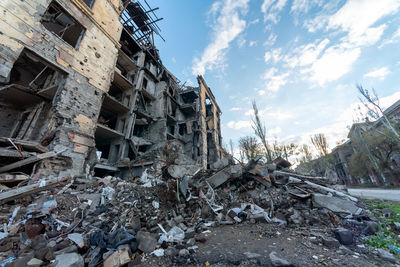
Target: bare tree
point(371, 102)
point(231, 146)
point(260, 131)
point(249, 147)
point(320, 144)
point(306, 155)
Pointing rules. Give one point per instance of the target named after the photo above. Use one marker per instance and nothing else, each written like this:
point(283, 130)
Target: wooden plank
point(29, 189)
point(28, 145)
point(29, 160)
point(12, 153)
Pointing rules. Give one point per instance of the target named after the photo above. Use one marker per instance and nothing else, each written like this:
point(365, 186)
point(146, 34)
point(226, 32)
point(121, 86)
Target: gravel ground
point(251, 244)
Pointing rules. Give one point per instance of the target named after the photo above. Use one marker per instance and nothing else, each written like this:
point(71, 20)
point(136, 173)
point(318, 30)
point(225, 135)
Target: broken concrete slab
point(335, 204)
point(224, 175)
point(222, 163)
point(147, 241)
point(68, 260)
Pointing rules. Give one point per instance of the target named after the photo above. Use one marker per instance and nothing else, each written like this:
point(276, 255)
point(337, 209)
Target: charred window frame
point(58, 21)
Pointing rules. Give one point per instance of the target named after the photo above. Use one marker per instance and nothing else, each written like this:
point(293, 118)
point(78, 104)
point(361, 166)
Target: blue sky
point(300, 60)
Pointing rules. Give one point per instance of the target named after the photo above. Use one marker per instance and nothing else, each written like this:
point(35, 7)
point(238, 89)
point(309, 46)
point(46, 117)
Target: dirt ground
point(250, 245)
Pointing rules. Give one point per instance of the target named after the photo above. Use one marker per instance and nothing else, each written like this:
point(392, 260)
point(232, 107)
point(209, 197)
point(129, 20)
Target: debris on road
point(112, 220)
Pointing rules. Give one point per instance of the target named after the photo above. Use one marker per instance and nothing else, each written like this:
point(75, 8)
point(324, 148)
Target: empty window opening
point(36, 74)
point(108, 119)
point(139, 130)
point(145, 83)
point(116, 92)
point(171, 129)
point(182, 129)
point(209, 107)
point(58, 21)
point(89, 3)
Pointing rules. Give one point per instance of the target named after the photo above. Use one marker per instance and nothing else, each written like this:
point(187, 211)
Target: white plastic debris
point(107, 193)
point(175, 234)
point(155, 204)
point(158, 252)
point(48, 206)
point(42, 182)
point(77, 239)
point(3, 235)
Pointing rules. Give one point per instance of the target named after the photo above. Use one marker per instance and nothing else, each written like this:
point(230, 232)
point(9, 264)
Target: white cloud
point(173, 59)
point(393, 39)
point(237, 125)
point(271, 40)
point(271, 9)
point(357, 18)
point(379, 73)
point(303, 6)
point(274, 81)
point(334, 63)
point(235, 109)
point(306, 54)
point(227, 26)
point(261, 92)
point(274, 54)
point(274, 131)
point(252, 43)
point(241, 42)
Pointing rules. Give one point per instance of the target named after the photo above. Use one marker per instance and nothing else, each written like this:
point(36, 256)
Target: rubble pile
point(165, 212)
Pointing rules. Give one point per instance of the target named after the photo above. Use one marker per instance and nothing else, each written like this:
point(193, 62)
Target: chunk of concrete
point(344, 236)
point(178, 171)
point(277, 260)
point(147, 242)
point(77, 239)
point(334, 204)
point(224, 175)
point(119, 258)
point(219, 164)
point(386, 255)
point(68, 260)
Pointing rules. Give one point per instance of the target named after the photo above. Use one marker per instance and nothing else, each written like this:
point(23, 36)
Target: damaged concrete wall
point(96, 91)
point(87, 67)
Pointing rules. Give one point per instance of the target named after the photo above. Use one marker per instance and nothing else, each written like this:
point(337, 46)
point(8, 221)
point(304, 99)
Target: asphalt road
point(384, 194)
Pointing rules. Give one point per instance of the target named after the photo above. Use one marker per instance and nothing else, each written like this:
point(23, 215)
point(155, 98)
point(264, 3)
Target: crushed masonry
point(114, 221)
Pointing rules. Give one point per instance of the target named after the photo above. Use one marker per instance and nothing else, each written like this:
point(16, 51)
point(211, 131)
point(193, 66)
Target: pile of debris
point(164, 212)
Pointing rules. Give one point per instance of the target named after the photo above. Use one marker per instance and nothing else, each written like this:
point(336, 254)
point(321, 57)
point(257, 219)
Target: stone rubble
point(114, 221)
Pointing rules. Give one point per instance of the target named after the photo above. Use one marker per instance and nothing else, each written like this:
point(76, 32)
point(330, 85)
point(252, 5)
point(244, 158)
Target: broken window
point(145, 83)
point(89, 3)
point(58, 21)
point(182, 129)
point(26, 98)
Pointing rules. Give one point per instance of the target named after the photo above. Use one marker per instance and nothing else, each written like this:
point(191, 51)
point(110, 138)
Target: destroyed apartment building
point(82, 87)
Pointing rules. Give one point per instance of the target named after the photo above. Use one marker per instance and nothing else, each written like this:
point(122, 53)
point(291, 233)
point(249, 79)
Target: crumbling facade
point(82, 87)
